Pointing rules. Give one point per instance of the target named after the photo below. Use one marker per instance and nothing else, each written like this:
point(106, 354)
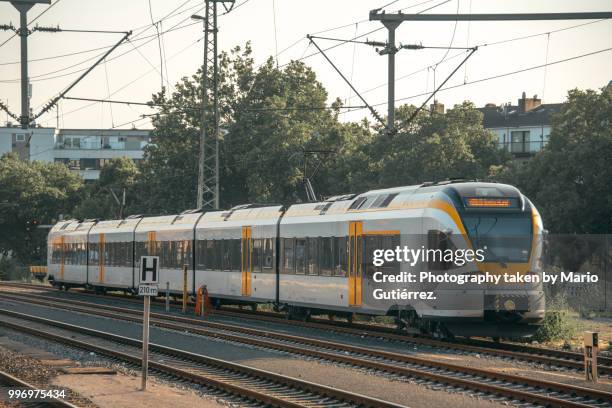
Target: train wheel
point(496, 339)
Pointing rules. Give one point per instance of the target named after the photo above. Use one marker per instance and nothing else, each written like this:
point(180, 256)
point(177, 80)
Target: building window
point(520, 141)
point(20, 137)
point(89, 164)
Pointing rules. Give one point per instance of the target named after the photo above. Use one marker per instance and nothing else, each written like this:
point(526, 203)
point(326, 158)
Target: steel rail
point(240, 370)
point(272, 334)
point(388, 363)
point(560, 358)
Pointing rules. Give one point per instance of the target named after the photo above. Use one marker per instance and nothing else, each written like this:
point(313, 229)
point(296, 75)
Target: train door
point(355, 250)
point(246, 260)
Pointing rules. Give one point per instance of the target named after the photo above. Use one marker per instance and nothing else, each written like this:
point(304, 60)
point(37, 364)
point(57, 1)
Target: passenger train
point(316, 258)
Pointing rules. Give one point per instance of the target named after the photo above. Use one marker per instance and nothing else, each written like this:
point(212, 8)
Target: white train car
point(55, 248)
point(236, 254)
point(326, 250)
point(111, 254)
point(171, 238)
point(73, 262)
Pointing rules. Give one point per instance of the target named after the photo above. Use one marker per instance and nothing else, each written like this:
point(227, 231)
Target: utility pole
point(23, 6)
point(392, 20)
point(208, 160)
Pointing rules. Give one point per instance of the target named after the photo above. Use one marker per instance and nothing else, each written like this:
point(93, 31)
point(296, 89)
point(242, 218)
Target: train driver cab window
point(300, 256)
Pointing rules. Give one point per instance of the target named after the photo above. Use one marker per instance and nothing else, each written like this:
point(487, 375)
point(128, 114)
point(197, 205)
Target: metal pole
point(216, 104)
point(201, 158)
point(145, 342)
point(393, 20)
point(25, 97)
point(391, 50)
point(167, 296)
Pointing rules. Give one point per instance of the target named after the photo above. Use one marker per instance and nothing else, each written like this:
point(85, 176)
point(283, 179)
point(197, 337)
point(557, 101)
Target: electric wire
point(33, 20)
point(497, 76)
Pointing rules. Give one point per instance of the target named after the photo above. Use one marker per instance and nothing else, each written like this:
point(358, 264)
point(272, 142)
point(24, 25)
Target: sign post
point(149, 277)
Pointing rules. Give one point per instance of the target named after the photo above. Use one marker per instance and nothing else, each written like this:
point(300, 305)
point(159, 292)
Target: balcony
point(523, 148)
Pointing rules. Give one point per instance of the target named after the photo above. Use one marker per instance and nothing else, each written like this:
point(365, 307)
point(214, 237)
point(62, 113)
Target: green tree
point(32, 194)
point(432, 147)
point(104, 197)
point(270, 116)
point(569, 181)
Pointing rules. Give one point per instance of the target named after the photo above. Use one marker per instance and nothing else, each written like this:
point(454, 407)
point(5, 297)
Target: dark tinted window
point(504, 238)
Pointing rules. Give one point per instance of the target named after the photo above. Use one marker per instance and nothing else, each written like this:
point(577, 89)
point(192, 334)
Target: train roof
point(169, 222)
point(258, 213)
point(372, 200)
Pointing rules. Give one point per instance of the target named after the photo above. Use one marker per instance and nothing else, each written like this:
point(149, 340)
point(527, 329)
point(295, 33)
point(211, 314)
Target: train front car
point(505, 230)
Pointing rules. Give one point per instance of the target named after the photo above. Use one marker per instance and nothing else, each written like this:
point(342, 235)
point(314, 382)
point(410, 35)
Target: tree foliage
point(32, 194)
point(569, 181)
point(103, 198)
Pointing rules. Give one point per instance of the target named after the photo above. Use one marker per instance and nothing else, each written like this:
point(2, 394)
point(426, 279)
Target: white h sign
point(149, 269)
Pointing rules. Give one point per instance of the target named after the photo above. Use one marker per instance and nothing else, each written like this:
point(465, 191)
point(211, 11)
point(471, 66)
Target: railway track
point(252, 386)
point(8, 381)
point(402, 365)
point(550, 357)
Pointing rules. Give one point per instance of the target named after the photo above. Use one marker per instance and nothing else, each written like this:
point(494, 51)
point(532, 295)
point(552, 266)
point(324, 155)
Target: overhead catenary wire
point(42, 13)
point(482, 45)
point(275, 32)
point(545, 66)
point(161, 60)
point(497, 76)
point(138, 78)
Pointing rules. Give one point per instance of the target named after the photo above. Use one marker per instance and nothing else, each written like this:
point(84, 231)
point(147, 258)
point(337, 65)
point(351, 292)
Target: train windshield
point(503, 237)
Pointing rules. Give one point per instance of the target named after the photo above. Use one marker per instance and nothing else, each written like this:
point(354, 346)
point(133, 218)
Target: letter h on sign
point(149, 267)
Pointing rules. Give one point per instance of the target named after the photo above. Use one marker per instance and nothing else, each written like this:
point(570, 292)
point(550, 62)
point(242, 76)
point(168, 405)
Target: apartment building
point(84, 151)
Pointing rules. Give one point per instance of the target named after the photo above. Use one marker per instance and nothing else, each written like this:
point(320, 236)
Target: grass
point(561, 324)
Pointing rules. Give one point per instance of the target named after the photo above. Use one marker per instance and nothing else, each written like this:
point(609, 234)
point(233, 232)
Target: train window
point(200, 247)
point(372, 243)
point(234, 253)
point(212, 255)
point(438, 240)
point(300, 256)
point(326, 255)
point(390, 242)
point(268, 254)
point(288, 256)
point(257, 254)
point(342, 260)
point(93, 253)
point(312, 265)
point(225, 259)
point(188, 254)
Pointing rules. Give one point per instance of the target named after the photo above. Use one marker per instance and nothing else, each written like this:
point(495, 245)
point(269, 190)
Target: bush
point(558, 323)
point(5, 267)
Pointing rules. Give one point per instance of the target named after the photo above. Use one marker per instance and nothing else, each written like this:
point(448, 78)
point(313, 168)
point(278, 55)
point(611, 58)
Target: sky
point(279, 27)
